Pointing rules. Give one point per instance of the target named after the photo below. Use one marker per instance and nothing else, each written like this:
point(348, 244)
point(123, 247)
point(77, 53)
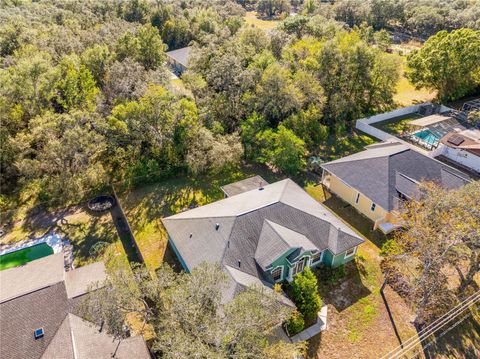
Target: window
point(373, 207)
point(299, 266)
point(350, 252)
point(316, 257)
point(277, 273)
point(358, 198)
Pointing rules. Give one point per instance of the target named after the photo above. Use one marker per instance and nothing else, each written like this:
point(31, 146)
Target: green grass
point(406, 93)
point(336, 147)
point(22, 256)
point(397, 125)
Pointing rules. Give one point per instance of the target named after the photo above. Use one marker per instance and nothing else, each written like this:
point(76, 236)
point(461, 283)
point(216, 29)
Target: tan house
point(376, 181)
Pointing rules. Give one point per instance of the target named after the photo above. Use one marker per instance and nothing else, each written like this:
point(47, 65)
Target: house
point(463, 148)
point(263, 235)
point(178, 59)
point(377, 180)
point(39, 314)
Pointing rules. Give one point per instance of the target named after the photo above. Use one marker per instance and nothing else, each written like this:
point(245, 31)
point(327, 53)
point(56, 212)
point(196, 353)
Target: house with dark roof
point(263, 235)
point(39, 315)
point(178, 59)
point(377, 180)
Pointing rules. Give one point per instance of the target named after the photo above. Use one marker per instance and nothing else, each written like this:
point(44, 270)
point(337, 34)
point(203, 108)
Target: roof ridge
point(279, 235)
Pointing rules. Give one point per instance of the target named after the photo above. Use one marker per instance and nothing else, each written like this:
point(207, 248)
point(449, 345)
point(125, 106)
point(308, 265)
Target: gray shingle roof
point(245, 185)
point(180, 55)
point(241, 219)
point(375, 172)
point(276, 240)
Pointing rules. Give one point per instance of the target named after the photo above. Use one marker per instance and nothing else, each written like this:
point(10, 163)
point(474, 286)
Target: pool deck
point(53, 240)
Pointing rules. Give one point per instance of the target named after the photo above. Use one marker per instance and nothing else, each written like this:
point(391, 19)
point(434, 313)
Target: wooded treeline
point(87, 99)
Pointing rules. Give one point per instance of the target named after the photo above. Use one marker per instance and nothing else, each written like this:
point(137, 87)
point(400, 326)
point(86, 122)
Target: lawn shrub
point(295, 324)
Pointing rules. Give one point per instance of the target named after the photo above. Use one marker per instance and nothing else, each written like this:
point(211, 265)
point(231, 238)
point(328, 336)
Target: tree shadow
point(314, 344)
point(345, 291)
point(171, 259)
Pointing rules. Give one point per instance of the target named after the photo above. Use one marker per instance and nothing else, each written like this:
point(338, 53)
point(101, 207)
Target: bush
point(305, 293)
point(296, 323)
point(389, 248)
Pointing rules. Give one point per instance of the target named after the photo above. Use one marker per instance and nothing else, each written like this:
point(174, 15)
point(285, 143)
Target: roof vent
point(191, 234)
point(217, 226)
point(38, 333)
point(239, 264)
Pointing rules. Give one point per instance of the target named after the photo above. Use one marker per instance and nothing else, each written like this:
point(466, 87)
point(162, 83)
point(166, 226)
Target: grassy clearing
point(252, 19)
point(407, 94)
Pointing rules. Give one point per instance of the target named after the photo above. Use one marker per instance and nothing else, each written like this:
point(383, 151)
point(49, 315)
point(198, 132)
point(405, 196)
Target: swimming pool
point(25, 255)
point(427, 136)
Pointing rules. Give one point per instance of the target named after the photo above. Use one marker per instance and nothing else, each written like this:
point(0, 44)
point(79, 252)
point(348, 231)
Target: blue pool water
point(427, 136)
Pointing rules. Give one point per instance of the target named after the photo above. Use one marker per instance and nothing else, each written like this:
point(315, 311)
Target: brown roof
point(41, 294)
point(470, 143)
point(32, 276)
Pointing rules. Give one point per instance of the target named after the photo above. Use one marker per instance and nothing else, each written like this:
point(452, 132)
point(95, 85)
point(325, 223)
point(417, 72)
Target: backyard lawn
point(396, 126)
point(336, 147)
point(93, 237)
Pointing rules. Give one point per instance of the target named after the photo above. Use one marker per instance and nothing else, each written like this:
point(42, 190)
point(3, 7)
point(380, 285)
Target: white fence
point(364, 125)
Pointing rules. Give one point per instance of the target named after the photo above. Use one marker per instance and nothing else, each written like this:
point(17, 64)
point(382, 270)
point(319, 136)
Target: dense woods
point(87, 99)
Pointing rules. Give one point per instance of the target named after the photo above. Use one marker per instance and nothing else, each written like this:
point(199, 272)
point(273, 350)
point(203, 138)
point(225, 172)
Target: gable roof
point(76, 338)
point(240, 220)
point(276, 240)
point(180, 55)
point(379, 171)
point(245, 185)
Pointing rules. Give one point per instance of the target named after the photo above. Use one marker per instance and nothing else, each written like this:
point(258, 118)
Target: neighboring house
point(377, 180)
point(178, 59)
point(261, 236)
point(39, 319)
point(462, 147)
